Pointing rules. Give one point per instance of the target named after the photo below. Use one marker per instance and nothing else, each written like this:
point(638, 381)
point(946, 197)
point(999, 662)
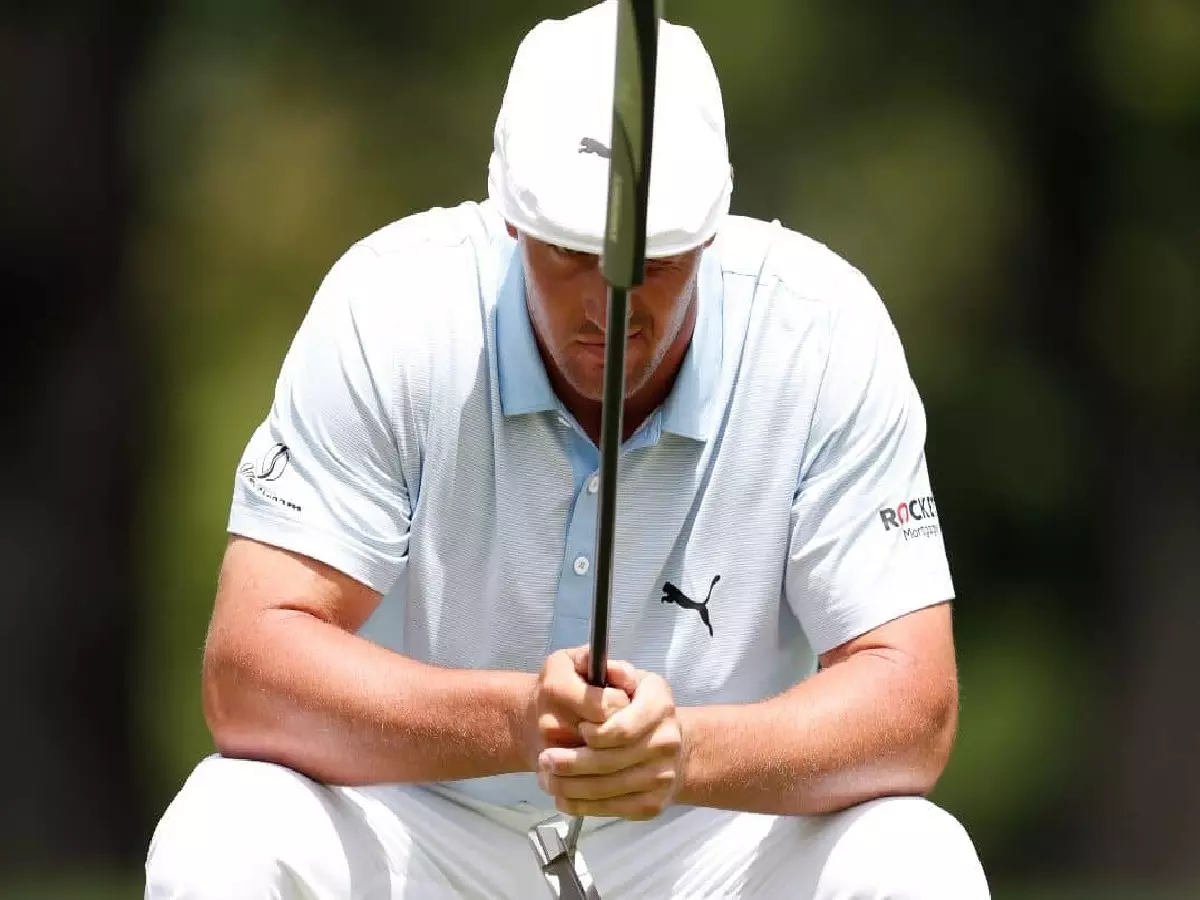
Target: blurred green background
point(1021, 181)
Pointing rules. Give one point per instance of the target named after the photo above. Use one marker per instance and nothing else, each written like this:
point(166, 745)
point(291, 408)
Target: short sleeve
point(866, 543)
point(321, 475)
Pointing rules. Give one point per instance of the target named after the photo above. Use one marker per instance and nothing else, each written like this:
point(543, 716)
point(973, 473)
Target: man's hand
point(563, 702)
point(632, 764)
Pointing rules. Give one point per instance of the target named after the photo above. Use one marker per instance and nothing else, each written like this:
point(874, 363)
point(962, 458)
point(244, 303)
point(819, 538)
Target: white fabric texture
point(800, 431)
point(253, 831)
point(560, 93)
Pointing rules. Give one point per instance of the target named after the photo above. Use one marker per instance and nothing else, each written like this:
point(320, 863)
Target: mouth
point(593, 349)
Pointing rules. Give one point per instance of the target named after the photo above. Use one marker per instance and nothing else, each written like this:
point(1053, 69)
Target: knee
point(901, 848)
point(232, 832)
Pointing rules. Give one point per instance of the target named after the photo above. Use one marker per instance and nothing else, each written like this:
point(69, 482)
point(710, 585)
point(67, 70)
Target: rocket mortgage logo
point(916, 518)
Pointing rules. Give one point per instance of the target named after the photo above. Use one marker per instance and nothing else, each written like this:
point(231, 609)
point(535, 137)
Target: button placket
point(574, 597)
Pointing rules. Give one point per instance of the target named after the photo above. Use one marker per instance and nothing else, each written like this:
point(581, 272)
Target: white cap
point(544, 179)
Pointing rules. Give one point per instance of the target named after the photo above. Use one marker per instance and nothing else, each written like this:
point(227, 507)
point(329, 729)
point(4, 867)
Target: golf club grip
point(623, 267)
point(624, 259)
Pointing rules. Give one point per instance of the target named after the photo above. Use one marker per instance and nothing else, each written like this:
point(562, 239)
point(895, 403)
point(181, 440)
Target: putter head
point(566, 873)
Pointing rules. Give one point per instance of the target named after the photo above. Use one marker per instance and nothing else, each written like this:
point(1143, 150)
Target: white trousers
point(253, 831)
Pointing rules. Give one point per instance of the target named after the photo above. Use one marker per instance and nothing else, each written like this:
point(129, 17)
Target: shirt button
point(581, 565)
point(593, 484)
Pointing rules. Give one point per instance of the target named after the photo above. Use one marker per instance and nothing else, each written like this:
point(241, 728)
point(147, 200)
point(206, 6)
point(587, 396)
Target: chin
point(589, 380)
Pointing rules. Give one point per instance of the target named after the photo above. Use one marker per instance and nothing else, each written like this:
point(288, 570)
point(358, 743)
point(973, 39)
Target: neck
point(641, 403)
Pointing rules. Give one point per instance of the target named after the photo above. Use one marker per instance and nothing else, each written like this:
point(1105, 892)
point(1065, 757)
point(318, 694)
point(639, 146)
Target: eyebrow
point(570, 252)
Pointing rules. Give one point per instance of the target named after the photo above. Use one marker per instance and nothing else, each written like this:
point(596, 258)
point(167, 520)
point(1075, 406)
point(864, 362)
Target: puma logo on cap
point(591, 145)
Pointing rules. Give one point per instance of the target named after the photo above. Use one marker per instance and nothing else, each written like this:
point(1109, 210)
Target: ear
point(512, 230)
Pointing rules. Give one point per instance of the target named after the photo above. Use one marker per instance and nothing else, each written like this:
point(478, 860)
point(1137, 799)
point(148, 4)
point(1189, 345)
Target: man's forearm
point(305, 694)
point(848, 734)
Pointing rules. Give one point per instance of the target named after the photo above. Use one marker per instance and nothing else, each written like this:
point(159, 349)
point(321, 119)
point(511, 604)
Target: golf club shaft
point(623, 265)
point(611, 422)
point(611, 425)
point(573, 834)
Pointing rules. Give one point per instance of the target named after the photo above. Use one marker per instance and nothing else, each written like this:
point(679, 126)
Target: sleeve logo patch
point(916, 518)
point(270, 467)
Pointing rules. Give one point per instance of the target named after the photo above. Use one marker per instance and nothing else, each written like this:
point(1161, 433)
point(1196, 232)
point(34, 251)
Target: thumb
point(623, 676)
point(581, 658)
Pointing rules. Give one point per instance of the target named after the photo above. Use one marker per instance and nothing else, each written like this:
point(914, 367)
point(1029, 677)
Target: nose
point(595, 306)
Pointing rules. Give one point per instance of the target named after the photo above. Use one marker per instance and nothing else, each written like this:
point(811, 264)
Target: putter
point(623, 265)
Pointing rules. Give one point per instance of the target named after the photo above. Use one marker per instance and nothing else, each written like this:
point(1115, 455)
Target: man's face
point(568, 307)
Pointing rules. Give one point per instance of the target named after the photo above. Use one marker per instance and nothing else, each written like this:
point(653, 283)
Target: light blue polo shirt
point(776, 506)
point(525, 389)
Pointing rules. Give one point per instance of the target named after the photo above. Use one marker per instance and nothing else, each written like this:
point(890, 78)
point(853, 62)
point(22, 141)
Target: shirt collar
point(524, 385)
point(689, 410)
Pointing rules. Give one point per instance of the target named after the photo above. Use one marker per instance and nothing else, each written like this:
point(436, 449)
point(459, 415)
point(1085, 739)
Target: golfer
point(394, 676)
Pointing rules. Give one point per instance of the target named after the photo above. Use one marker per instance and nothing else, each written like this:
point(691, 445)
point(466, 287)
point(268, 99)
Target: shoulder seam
point(812, 416)
point(414, 244)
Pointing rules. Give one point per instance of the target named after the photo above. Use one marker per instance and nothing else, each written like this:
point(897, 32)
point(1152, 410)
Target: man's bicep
point(926, 635)
point(258, 578)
